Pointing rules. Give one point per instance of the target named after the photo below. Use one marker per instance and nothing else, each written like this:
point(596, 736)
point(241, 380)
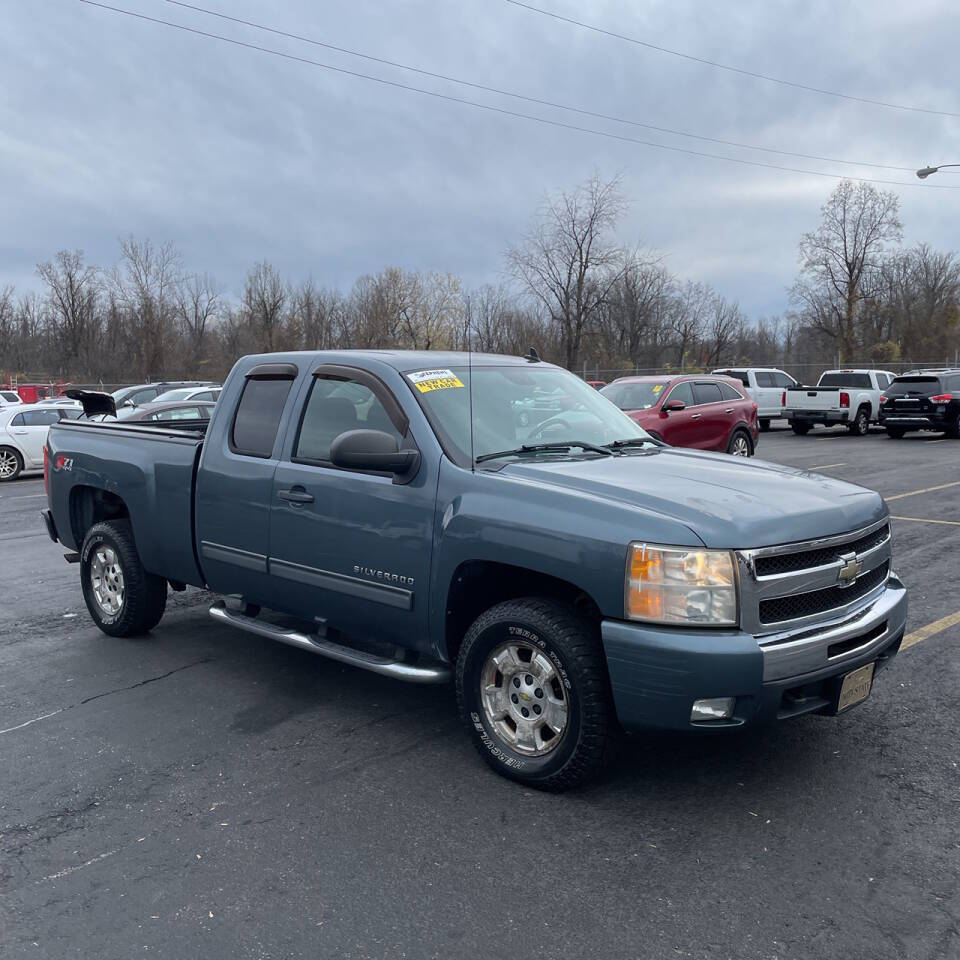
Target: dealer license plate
point(856, 687)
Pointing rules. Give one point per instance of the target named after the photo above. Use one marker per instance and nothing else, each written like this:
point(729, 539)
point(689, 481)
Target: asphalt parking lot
point(205, 793)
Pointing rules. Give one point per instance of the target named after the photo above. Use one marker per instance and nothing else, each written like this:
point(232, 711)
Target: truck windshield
point(635, 396)
point(513, 406)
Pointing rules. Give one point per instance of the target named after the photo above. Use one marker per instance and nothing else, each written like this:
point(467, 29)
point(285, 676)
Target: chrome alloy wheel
point(524, 700)
point(106, 580)
point(8, 464)
point(740, 446)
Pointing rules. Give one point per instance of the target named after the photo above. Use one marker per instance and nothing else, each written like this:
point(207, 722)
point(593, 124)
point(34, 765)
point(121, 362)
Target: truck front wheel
point(534, 694)
point(123, 599)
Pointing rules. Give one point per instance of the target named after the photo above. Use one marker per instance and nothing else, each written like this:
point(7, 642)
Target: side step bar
point(436, 673)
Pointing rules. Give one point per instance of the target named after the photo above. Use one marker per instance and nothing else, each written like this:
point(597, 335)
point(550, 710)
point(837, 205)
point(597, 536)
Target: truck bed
point(814, 398)
point(154, 466)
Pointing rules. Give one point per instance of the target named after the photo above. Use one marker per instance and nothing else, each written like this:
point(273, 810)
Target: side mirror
point(372, 450)
point(674, 405)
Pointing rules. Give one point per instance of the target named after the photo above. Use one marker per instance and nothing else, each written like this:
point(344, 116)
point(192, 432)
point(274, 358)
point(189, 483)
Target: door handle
point(21, 433)
point(695, 416)
point(295, 495)
point(728, 410)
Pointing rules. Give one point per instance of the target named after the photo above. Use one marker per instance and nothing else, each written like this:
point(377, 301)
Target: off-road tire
point(800, 429)
point(145, 594)
point(573, 645)
point(860, 425)
point(9, 452)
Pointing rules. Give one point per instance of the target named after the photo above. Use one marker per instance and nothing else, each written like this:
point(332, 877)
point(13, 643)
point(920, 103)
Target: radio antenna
point(473, 462)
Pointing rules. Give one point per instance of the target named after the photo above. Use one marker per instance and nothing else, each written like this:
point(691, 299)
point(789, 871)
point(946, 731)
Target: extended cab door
point(349, 547)
point(235, 482)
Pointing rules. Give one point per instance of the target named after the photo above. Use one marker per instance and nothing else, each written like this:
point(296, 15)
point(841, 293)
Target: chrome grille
point(803, 560)
point(818, 601)
point(798, 584)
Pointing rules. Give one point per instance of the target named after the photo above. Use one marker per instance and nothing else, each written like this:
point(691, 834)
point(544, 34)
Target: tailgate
point(814, 398)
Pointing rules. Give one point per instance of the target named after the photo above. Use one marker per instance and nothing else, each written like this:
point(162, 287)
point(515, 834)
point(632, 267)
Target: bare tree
point(838, 257)
point(688, 317)
point(567, 263)
point(73, 293)
point(264, 296)
point(724, 324)
point(198, 302)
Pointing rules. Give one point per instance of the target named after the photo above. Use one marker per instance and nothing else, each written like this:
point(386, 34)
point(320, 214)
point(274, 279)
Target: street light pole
point(925, 172)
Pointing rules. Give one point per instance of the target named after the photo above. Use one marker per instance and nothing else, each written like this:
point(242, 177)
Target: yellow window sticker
point(427, 380)
point(657, 387)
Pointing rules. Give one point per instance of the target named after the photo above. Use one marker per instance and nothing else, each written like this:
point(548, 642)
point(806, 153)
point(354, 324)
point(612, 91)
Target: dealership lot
point(203, 792)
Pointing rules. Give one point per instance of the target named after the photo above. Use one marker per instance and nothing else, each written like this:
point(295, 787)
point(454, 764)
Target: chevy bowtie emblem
point(850, 570)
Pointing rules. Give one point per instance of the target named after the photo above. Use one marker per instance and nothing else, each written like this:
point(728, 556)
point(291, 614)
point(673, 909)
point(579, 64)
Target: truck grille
point(820, 601)
point(804, 560)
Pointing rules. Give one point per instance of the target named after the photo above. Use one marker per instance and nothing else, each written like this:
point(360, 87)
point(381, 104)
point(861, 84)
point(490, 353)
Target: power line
point(509, 113)
point(536, 100)
point(726, 66)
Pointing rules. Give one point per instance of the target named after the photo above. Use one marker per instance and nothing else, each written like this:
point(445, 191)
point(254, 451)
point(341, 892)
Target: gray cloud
point(112, 126)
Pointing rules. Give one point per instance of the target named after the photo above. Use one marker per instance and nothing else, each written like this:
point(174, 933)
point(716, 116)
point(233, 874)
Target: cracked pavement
point(201, 792)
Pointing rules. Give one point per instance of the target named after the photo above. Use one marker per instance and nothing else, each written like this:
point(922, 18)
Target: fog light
point(718, 708)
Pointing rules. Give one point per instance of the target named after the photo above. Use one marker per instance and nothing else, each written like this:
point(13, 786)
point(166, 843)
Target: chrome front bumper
point(835, 643)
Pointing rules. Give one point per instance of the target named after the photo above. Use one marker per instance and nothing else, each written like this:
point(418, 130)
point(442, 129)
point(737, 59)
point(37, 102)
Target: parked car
point(597, 384)
point(691, 410)
point(146, 392)
point(172, 412)
point(842, 397)
point(210, 393)
point(925, 401)
point(9, 398)
point(765, 386)
point(23, 434)
point(569, 581)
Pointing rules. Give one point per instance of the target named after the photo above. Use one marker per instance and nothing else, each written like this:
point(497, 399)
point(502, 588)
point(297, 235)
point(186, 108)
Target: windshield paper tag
point(427, 380)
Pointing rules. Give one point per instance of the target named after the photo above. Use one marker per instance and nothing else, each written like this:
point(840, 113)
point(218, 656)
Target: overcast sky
point(111, 126)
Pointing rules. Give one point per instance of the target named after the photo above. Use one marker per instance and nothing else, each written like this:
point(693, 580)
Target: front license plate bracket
point(856, 687)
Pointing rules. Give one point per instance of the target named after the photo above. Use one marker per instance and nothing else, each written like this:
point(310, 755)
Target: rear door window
point(707, 392)
point(765, 378)
point(258, 415)
point(39, 418)
point(728, 393)
point(784, 380)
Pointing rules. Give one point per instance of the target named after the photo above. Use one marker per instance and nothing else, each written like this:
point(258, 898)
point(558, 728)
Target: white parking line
point(949, 523)
point(914, 493)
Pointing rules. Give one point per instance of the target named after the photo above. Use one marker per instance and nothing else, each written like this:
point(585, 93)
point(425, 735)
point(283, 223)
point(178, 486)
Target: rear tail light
point(783, 399)
point(46, 470)
point(883, 399)
point(942, 398)
point(844, 399)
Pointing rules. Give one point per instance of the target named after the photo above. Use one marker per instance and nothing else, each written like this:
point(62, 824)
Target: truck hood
point(726, 501)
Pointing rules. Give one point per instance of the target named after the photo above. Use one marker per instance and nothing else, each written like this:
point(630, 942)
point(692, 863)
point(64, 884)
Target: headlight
point(681, 585)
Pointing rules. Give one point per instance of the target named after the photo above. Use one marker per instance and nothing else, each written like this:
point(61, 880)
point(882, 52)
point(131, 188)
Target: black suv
point(922, 401)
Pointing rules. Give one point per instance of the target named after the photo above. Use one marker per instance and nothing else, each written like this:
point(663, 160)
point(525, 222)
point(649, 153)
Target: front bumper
point(819, 416)
point(656, 673)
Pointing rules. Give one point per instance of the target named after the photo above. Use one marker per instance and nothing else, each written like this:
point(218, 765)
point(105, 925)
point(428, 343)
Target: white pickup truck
point(765, 386)
point(848, 397)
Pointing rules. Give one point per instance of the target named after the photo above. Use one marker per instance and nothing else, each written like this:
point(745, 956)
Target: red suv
point(706, 412)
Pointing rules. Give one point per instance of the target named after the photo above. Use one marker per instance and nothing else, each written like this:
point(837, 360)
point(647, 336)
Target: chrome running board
point(435, 673)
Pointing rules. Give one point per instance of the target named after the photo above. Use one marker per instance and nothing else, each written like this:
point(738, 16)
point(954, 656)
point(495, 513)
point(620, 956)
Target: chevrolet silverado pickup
point(401, 512)
point(847, 397)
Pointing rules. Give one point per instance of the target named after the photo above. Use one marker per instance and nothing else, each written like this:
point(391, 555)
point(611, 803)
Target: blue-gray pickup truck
point(496, 522)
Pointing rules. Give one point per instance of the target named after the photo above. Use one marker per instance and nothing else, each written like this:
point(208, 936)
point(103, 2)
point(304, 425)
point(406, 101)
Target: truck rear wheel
point(534, 693)
point(860, 426)
point(123, 599)
point(799, 428)
point(895, 433)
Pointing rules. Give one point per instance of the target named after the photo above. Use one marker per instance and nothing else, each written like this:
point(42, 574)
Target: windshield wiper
point(539, 447)
point(631, 442)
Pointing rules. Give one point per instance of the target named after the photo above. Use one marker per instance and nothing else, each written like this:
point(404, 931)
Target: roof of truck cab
point(402, 360)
